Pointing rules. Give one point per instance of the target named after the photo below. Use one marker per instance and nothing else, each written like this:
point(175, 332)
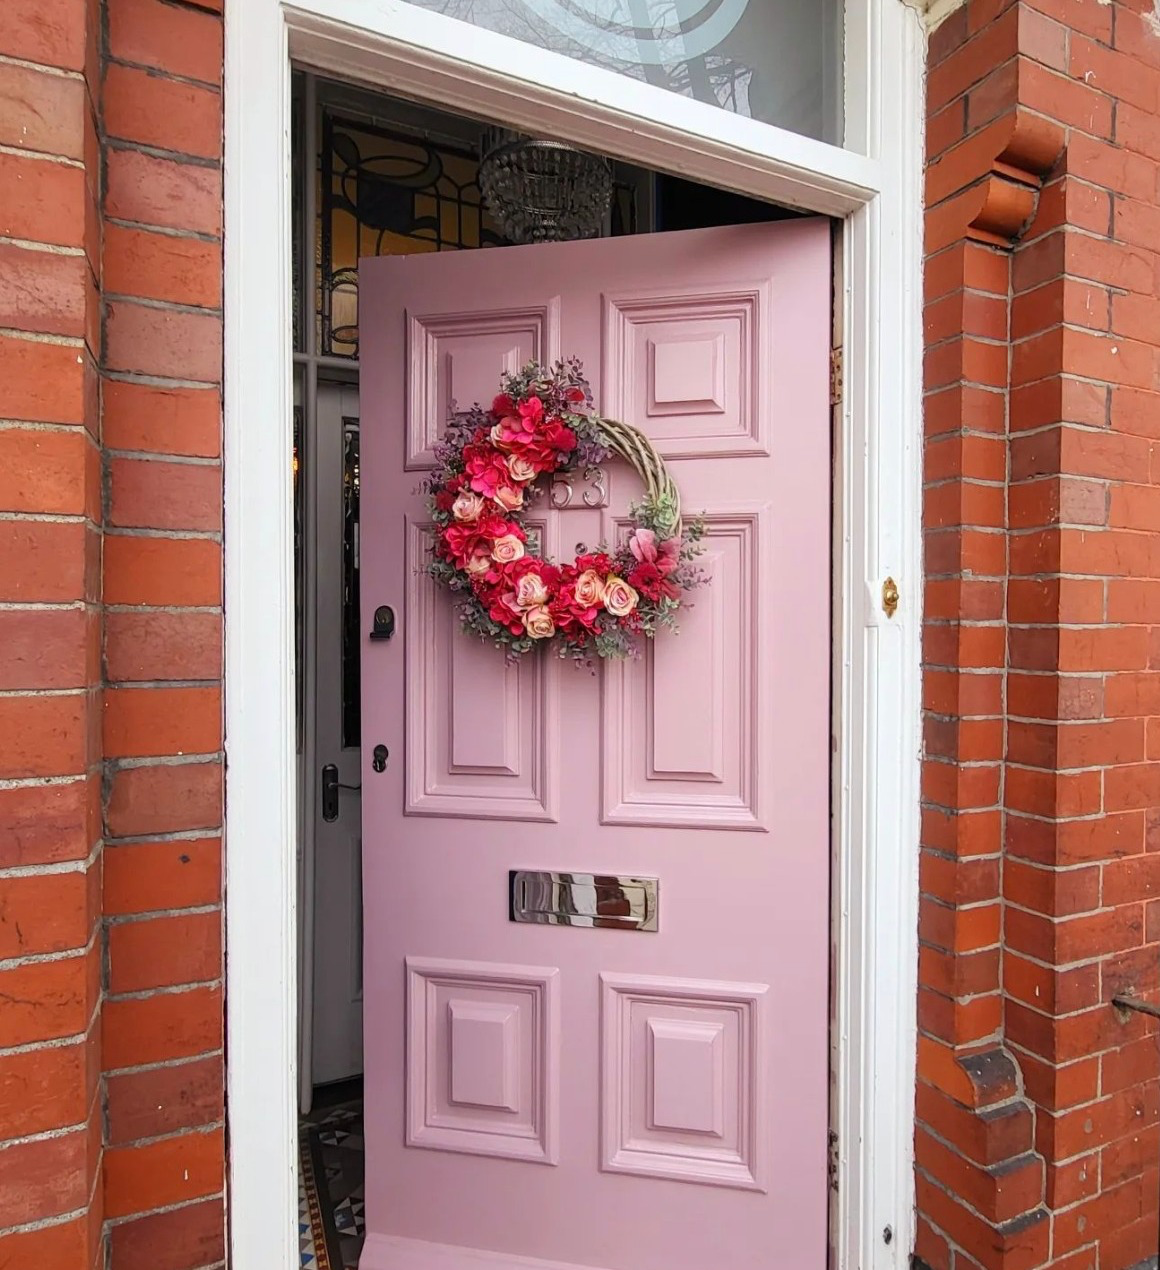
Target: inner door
point(336, 1032)
point(558, 1095)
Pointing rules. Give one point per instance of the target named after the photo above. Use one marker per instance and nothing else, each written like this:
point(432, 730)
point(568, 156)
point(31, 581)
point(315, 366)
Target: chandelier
point(542, 191)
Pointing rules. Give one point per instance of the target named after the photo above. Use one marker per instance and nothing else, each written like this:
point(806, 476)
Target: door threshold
point(390, 1252)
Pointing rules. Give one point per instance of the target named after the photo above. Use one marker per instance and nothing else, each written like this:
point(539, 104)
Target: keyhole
point(379, 760)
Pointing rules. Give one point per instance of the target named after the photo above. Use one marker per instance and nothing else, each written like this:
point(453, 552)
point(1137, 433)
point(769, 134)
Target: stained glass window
point(386, 193)
point(385, 190)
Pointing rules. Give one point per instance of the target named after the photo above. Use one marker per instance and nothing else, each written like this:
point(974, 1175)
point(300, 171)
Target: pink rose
point(589, 589)
point(519, 467)
point(538, 623)
point(531, 592)
point(467, 507)
point(479, 562)
point(643, 545)
point(509, 497)
point(506, 549)
point(619, 598)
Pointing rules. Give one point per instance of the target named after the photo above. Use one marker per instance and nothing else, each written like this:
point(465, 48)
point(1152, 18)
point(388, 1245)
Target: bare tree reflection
point(711, 77)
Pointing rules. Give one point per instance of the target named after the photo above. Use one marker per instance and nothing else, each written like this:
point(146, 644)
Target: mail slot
point(600, 900)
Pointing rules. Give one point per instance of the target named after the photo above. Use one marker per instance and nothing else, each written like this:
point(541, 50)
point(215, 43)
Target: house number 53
point(592, 493)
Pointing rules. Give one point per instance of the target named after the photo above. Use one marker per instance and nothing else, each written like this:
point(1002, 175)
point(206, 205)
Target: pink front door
point(555, 1095)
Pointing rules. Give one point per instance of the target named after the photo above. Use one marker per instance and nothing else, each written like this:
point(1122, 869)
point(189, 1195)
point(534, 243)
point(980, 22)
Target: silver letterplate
point(601, 900)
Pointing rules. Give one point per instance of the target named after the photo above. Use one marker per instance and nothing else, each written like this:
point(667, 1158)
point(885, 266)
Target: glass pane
point(351, 711)
point(778, 61)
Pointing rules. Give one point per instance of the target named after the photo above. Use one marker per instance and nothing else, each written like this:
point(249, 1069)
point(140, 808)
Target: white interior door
point(336, 1045)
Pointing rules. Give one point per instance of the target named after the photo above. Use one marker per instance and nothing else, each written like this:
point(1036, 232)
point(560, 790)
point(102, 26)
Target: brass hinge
point(835, 377)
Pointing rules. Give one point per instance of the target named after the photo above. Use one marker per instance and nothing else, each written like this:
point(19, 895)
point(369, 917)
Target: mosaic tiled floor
point(331, 1224)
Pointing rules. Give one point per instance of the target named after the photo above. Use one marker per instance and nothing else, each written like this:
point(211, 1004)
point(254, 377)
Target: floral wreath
point(489, 463)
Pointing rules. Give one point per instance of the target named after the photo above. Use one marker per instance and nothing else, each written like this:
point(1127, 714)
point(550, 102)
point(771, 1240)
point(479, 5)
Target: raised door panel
point(483, 1058)
point(682, 1087)
point(684, 726)
point(455, 360)
point(480, 735)
point(690, 368)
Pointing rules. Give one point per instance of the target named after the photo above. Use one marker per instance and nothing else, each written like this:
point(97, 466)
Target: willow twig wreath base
point(490, 465)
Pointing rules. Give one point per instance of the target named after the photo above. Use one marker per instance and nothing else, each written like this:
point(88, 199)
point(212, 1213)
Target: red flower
point(459, 542)
point(598, 560)
point(503, 613)
point(560, 437)
point(494, 526)
point(541, 441)
point(531, 411)
point(487, 469)
point(574, 394)
point(570, 616)
point(502, 405)
point(652, 583)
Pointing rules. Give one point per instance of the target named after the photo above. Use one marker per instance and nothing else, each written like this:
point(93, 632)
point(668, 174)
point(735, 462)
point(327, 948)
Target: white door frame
point(875, 185)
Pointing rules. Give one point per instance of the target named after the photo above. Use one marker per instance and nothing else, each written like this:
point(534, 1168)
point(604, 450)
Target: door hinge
point(836, 361)
point(832, 1164)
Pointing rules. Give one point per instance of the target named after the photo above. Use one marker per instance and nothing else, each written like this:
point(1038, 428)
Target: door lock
point(379, 757)
point(330, 787)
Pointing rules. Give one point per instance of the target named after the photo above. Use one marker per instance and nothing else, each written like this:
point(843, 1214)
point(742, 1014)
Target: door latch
point(330, 787)
point(379, 756)
point(383, 622)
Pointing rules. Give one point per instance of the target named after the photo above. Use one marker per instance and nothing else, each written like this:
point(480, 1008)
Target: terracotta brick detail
point(50, 681)
point(111, 1058)
point(1037, 1101)
point(162, 731)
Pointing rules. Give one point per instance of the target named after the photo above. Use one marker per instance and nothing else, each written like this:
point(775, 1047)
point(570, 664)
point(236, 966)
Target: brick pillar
point(50, 686)
point(1037, 1102)
point(163, 1042)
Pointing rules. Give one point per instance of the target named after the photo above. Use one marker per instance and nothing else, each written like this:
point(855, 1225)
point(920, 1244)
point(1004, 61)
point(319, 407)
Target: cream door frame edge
point(875, 184)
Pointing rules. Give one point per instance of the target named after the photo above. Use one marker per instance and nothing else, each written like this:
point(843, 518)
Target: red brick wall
point(50, 673)
point(111, 1068)
point(1037, 1142)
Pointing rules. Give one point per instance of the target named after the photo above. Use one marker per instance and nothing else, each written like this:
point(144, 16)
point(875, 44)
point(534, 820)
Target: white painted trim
point(878, 685)
point(261, 815)
point(412, 52)
point(876, 185)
